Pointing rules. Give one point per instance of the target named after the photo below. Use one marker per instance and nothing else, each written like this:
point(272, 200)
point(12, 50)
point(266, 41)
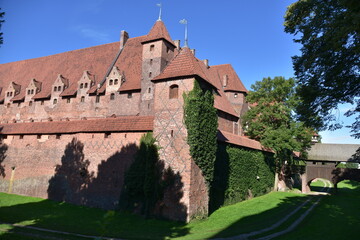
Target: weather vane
point(184, 21)
point(160, 6)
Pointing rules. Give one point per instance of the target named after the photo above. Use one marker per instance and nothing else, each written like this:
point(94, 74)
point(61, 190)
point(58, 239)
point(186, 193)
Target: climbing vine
point(201, 123)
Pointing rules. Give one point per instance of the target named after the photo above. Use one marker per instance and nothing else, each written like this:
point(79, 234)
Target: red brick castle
point(94, 104)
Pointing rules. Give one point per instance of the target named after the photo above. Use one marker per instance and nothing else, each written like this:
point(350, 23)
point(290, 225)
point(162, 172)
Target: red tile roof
point(234, 82)
point(158, 31)
point(239, 140)
point(118, 124)
point(71, 66)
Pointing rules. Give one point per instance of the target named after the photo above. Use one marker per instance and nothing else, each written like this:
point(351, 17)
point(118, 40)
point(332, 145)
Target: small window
point(111, 82)
point(58, 136)
point(107, 135)
point(116, 81)
point(129, 95)
point(42, 102)
point(86, 85)
point(55, 89)
point(30, 103)
point(68, 100)
point(112, 96)
point(11, 94)
point(8, 105)
point(97, 99)
point(174, 91)
point(172, 133)
point(152, 47)
point(81, 85)
point(235, 95)
point(32, 91)
point(7, 94)
point(59, 88)
point(29, 92)
point(150, 74)
point(21, 137)
point(151, 62)
point(55, 101)
point(149, 90)
point(38, 136)
point(82, 99)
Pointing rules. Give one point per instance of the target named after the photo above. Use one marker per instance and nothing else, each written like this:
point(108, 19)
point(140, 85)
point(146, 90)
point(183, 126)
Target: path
point(246, 236)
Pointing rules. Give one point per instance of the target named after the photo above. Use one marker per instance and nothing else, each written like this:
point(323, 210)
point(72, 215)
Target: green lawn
point(243, 217)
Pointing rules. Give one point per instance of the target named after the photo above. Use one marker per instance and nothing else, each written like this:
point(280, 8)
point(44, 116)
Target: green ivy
point(239, 174)
point(201, 123)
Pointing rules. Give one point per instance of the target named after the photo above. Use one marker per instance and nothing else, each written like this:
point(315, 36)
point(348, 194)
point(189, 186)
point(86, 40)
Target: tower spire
point(160, 6)
point(184, 21)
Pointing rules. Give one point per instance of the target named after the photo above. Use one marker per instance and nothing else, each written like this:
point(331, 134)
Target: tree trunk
point(276, 181)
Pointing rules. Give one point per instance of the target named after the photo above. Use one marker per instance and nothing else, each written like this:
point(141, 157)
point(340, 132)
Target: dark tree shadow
point(105, 189)
point(72, 176)
point(221, 178)
point(3, 149)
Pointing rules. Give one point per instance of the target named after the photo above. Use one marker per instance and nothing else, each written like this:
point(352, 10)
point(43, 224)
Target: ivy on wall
point(201, 122)
point(239, 174)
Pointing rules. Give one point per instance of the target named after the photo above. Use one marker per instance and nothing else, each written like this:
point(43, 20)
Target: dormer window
point(116, 81)
point(152, 47)
point(29, 92)
point(111, 82)
point(32, 91)
point(81, 85)
point(55, 89)
point(59, 88)
point(86, 85)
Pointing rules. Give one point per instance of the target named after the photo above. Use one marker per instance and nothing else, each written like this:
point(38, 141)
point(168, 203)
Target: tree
point(1, 21)
point(328, 69)
point(271, 120)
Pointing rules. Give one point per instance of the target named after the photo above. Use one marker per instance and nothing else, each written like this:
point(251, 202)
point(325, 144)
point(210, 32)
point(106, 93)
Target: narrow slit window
point(82, 99)
point(112, 96)
point(97, 99)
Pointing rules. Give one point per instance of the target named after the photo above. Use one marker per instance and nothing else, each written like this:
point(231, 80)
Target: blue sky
point(247, 34)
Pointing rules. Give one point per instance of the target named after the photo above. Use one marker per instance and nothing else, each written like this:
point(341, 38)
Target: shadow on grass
point(66, 217)
point(262, 220)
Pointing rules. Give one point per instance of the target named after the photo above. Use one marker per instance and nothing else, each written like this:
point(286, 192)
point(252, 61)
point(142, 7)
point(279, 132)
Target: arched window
point(174, 91)
point(116, 81)
point(112, 96)
point(86, 85)
point(81, 85)
point(111, 82)
point(152, 47)
point(82, 99)
point(59, 88)
point(30, 103)
point(29, 91)
point(32, 91)
point(55, 101)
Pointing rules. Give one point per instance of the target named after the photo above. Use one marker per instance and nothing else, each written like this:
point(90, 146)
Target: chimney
point(225, 80)
point(177, 44)
point(124, 36)
point(206, 62)
point(193, 51)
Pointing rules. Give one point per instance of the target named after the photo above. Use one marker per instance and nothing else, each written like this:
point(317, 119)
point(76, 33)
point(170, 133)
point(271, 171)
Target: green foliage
point(328, 68)
point(143, 183)
point(201, 123)
point(249, 173)
point(271, 119)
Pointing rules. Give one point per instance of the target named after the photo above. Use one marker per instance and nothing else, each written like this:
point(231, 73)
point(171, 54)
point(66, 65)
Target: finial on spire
point(160, 6)
point(184, 21)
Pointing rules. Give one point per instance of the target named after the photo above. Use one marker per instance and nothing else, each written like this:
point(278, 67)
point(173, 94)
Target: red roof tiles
point(118, 124)
point(234, 83)
point(158, 31)
point(239, 140)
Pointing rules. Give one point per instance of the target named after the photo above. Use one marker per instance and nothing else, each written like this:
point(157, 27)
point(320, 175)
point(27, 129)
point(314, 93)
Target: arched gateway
point(323, 160)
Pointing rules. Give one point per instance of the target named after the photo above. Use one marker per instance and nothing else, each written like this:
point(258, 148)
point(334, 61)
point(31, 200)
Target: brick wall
point(78, 168)
point(171, 134)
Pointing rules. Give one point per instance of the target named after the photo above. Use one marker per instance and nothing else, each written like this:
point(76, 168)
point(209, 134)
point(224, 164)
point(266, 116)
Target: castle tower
point(158, 50)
